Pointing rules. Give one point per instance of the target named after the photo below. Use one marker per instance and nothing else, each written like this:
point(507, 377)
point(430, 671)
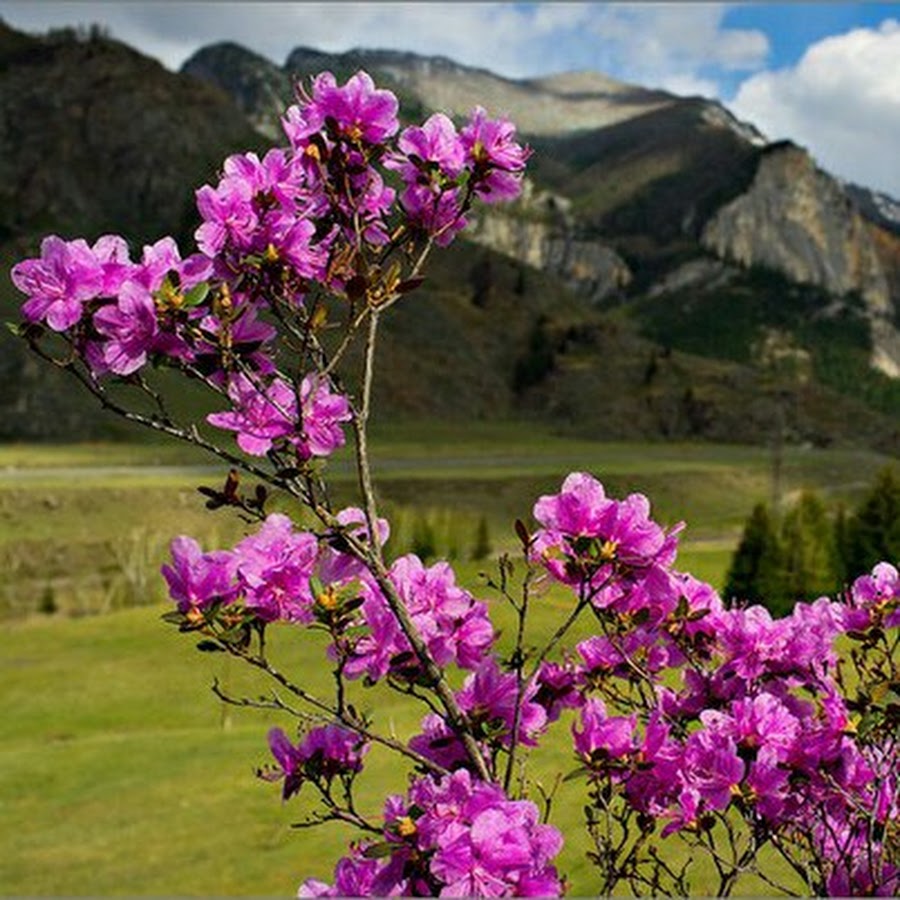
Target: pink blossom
point(437, 212)
point(603, 738)
point(332, 750)
point(326, 752)
point(130, 329)
point(454, 626)
point(712, 767)
point(609, 548)
point(197, 579)
point(496, 159)
point(66, 276)
point(322, 413)
point(873, 596)
point(360, 111)
point(488, 696)
point(456, 837)
point(428, 151)
point(274, 567)
point(290, 763)
point(262, 413)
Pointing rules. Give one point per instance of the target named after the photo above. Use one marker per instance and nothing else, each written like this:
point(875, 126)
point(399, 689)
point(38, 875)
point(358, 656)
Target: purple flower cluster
point(452, 837)
point(455, 627)
point(438, 165)
point(743, 713)
point(267, 415)
point(268, 573)
point(610, 550)
point(325, 753)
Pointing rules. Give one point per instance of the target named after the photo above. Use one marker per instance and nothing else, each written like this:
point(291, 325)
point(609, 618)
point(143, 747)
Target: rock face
point(797, 220)
point(539, 232)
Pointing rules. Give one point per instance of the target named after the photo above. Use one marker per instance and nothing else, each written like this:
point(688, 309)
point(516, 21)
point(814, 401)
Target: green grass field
point(122, 774)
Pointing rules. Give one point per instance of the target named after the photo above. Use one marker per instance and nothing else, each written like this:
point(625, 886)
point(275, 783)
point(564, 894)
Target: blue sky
point(826, 75)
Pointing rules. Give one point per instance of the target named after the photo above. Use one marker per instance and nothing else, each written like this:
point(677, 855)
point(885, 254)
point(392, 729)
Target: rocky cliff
point(797, 220)
point(539, 231)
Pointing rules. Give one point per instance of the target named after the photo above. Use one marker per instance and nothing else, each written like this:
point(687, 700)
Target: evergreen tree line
point(806, 554)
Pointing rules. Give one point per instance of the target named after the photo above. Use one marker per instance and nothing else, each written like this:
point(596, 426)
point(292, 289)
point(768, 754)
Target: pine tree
point(755, 571)
point(873, 533)
point(808, 555)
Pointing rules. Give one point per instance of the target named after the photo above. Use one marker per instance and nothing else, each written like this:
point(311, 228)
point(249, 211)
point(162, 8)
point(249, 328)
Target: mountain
point(94, 137)
point(662, 265)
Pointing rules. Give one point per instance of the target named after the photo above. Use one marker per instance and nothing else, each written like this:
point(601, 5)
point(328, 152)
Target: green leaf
point(379, 850)
point(197, 294)
point(576, 773)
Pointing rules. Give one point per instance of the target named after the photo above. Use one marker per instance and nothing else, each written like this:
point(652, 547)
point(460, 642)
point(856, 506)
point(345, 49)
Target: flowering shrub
point(690, 720)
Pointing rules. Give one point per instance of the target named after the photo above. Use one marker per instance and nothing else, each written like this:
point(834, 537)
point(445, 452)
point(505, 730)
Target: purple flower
point(607, 656)
point(712, 767)
point(322, 413)
point(354, 876)
point(488, 696)
point(360, 111)
point(437, 212)
point(111, 251)
point(228, 217)
point(262, 413)
point(239, 332)
point(609, 548)
point(455, 626)
point(875, 597)
point(331, 750)
point(274, 567)
point(130, 329)
point(290, 763)
point(764, 722)
point(439, 743)
point(497, 160)
point(337, 567)
point(327, 751)
point(557, 688)
point(454, 836)
point(602, 738)
point(195, 578)
point(66, 276)
point(426, 151)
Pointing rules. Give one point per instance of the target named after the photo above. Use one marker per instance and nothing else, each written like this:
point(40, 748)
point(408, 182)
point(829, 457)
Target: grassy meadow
point(122, 774)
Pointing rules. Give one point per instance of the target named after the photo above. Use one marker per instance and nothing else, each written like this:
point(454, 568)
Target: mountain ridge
point(558, 310)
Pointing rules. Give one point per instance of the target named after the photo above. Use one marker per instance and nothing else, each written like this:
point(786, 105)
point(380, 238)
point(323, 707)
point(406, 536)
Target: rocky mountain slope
point(658, 254)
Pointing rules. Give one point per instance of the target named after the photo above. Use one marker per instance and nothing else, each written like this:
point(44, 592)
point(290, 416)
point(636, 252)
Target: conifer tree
point(873, 533)
point(755, 572)
point(808, 556)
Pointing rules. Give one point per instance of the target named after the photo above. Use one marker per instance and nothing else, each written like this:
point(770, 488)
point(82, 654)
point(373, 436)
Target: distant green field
point(83, 528)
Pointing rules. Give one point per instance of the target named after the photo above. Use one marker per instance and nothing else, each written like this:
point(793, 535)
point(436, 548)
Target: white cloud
point(841, 100)
point(660, 44)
